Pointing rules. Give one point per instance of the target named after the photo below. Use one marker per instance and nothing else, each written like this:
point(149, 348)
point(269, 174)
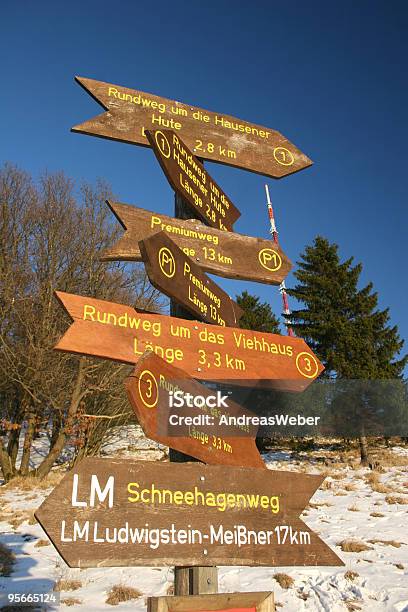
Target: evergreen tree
point(341, 322)
point(258, 315)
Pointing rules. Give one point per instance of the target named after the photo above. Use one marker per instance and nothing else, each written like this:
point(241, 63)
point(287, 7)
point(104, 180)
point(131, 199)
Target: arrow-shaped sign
point(209, 135)
point(226, 254)
point(174, 273)
point(108, 512)
point(193, 430)
point(188, 177)
point(208, 352)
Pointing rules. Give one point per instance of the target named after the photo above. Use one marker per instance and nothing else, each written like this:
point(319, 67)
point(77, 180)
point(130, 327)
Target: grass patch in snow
point(18, 518)
point(121, 592)
point(353, 546)
point(40, 543)
point(377, 514)
point(353, 509)
point(5, 514)
point(71, 601)
point(350, 575)
point(31, 519)
point(316, 506)
point(376, 485)
point(386, 543)
point(326, 484)
point(7, 560)
point(395, 499)
point(331, 474)
point(352, 605)
point(387, 458)
point(29, 483)
point(67, 585)
point(284, 580)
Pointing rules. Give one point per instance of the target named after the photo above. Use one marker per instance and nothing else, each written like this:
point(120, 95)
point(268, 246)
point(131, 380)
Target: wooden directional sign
point(108, 512)
point(223, 253)
point(208, 352)
point(216, 602)
point(195, 431)
point(174, 273)
point(209, 135)
point(188, 177)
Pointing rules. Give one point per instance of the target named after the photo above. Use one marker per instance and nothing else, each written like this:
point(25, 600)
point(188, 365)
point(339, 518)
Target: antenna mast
point(282, 287)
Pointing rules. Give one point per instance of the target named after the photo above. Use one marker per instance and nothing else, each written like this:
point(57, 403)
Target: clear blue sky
point(331, 76)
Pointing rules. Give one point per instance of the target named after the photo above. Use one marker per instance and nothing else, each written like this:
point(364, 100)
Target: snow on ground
point(118, 441)
point(126, 441)
point(353, 502)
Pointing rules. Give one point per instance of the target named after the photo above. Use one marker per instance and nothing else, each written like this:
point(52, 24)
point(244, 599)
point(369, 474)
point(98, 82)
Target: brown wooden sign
point(188, 177)
point(214, 136)
point(108, 512)
point(208, 352)
point(217, 602)
point(223, 253)
point(174, 273)
point(194, 431)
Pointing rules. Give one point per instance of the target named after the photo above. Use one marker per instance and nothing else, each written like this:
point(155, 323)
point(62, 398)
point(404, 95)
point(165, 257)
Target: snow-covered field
point(353, 503)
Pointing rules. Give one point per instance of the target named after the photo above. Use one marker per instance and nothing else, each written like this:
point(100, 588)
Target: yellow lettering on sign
point(169, 354)
point(140, 100)
point(165, 123)
point(89, 311)
point(179, 331)
point(156, 222)
point(240, 127)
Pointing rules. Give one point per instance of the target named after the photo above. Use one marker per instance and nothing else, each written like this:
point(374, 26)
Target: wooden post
point(189, 580)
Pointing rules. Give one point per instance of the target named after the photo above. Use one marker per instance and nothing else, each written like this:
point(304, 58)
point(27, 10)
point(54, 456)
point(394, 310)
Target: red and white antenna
point(282, 286)
point(273, 229)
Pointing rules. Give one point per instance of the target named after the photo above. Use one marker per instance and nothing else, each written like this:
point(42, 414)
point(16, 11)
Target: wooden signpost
point(177, 275)
point(148, 391)
point(188, 177)
point(223, 253)
point(108, 512)
point(191, 515)
point(214, 136)
point(204, 578)
point(208, 352)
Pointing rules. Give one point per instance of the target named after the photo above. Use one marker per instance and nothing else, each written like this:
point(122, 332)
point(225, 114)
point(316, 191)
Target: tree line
point(51, 235)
